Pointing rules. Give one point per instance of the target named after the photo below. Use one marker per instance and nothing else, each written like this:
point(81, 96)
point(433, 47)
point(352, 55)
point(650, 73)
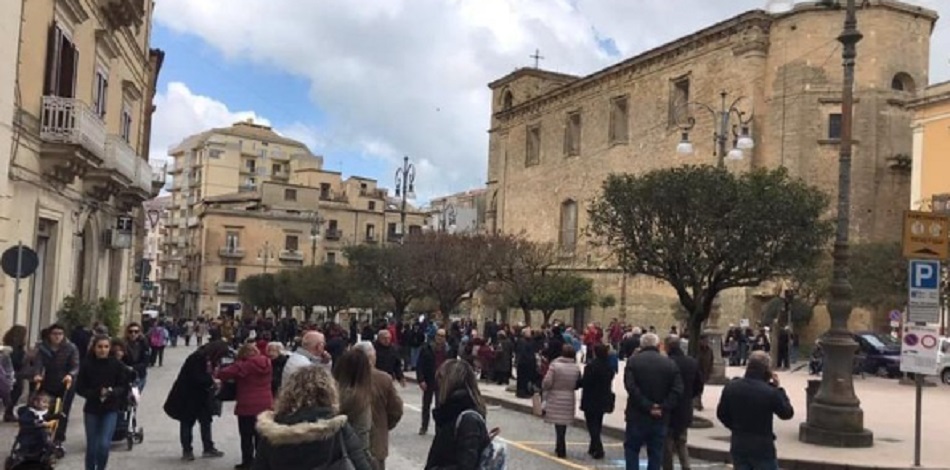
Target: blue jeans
point(650, 433)
point(99, 431)
point(740, 462)
point(414, 356)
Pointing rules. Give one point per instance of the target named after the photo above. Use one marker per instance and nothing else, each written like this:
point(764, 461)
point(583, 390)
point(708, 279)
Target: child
point(34, 436)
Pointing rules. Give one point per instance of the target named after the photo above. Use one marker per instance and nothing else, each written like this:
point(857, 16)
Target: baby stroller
point(127, 427)
point(42, 455)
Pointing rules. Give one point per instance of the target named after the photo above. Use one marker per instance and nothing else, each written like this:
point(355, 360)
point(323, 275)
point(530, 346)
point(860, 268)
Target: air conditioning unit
point(117, 240)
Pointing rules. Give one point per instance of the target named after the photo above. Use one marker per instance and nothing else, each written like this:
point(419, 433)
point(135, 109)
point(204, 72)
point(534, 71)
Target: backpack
point(495, 455)
point(156, 338)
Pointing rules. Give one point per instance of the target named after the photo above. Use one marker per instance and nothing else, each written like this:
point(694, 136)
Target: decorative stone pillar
point(714, 335)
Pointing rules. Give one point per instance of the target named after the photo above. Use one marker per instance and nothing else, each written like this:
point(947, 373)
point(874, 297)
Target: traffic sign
point(923, 296)
point(925, 235)
point(19, 261)
point(919, 349)
point(895, 316)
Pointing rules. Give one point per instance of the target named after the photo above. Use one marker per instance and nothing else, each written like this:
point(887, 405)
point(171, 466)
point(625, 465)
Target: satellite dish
point(779, 6)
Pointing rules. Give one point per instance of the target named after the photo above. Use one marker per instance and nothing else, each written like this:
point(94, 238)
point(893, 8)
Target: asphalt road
point(530, 442)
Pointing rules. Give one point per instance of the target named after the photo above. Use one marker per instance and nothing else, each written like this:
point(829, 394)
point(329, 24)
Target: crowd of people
point(308, 395)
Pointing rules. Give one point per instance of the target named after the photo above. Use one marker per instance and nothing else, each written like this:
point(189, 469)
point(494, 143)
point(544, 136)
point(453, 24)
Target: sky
point(366, 82)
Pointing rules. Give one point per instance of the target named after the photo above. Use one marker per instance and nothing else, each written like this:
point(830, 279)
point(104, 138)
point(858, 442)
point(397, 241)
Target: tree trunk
point(527, 315)
point(547, 317)
point(695, 333)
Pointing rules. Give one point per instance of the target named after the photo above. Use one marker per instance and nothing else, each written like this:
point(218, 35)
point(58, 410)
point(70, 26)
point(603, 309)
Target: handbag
point(342, 463)
point(611, 402)
point(227, 392)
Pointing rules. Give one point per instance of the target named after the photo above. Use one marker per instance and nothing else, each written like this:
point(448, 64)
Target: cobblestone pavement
point(530, 441)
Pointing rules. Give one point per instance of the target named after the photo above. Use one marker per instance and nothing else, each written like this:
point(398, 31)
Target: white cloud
point(408, 77)
point(180, 113)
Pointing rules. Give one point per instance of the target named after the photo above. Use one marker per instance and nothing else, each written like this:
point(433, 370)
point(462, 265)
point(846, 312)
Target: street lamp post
point(315, 222)
point(265, 254)
point(835, 417)
point(447, 219)
point(405, 178)
point(742, 141)
point(741, 137)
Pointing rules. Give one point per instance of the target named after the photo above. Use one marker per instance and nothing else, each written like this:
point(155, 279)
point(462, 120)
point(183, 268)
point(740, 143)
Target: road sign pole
point(16, 282)
point(919, 381)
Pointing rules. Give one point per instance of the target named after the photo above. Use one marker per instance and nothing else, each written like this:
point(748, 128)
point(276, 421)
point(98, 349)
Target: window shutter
point(69, 59)
point(50, 79)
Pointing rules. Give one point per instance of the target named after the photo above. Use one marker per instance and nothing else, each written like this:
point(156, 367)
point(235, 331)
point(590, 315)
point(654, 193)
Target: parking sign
point(923, 296)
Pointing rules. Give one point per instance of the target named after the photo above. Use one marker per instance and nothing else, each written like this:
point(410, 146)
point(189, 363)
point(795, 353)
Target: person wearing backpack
point(462, 439)
point(157, 339)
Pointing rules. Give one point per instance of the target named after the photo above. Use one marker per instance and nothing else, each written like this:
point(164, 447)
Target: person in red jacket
point(252, 375)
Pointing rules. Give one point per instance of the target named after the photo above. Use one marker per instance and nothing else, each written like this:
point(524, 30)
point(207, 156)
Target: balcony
point(74, 139)
point(226, 287)
point(231, 252)
point(192, 221)
point(116, 172)
point(247, 188)
point(333, 234)
point(159, 177)
point(282, 175)
point(291, 256)
point(123, 13)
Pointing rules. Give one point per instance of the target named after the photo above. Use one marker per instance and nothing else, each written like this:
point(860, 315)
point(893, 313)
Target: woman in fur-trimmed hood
point(304, 431)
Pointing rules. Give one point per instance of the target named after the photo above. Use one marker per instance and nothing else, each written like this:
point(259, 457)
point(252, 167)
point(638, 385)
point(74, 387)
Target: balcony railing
point(232, 252)
point(227, 287)
point(334, 234)
point(120, 157)
point(143, 175)
point(291, 255)
point(70, 121)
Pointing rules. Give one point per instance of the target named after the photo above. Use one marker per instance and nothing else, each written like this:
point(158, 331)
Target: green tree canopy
point(517, 264)
point(561, 291)
point(259, 292)
point(704, 229)
point(878, 276)
point(386, 269)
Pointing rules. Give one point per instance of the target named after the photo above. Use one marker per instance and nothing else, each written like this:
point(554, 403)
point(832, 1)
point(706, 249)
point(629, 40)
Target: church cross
point(537, 58)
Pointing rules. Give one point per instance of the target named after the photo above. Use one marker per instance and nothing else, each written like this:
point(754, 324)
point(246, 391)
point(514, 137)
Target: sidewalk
point(888, 412)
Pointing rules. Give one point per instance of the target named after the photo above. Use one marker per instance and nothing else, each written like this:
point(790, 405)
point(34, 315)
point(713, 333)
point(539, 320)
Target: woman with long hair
point(102, 381)
point(191, 396)
point(304, 432)
point(15, 339)
point(251, 374)
point(461, 433)
point(353, 374)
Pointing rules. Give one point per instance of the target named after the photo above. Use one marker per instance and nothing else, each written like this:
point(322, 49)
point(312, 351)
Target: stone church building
point(554, 137)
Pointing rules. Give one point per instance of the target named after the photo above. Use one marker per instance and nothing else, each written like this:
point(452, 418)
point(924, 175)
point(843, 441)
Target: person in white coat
point(312, 351)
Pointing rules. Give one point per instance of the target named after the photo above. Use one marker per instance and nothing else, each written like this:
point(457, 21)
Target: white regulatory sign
point(919, 349)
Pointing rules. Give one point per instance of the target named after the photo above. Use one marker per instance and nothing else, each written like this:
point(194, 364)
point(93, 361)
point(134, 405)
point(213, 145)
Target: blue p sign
point(924, 274)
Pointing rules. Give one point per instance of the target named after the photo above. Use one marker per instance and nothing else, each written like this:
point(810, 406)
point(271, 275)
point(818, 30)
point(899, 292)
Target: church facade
point(554, 138)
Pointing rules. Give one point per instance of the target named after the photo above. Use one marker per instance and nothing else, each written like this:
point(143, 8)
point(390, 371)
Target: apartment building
point(156, 219)
point(930, 187)
point(462, 212)
point(79, 169)
point(246, 200)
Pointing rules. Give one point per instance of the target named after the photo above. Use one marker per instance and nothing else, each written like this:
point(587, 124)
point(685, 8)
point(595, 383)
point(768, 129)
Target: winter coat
point(6, 370)
point(456, 448)
point(137, 356)
point(503, 356)
point(693, 386)
point(253, 378)
point(277, 373)
point(746, 408)
point(98, 374)
point(302, 358)
point(651, 379)
point(55, 365)
point(191, 394)
point(33, 436)
point(387, 411)
point(304, 441)
point(559, 385)
point(427, 365)
point(597, 383)
point(388, 360)
point(525, 353)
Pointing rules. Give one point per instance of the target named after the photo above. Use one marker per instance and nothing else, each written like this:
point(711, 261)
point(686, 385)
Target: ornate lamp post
point(265, 255)
point(835, 417)
point(315, 223)
point(741, 138)
point(447, 219)
point(741, 141)
point(405, 177)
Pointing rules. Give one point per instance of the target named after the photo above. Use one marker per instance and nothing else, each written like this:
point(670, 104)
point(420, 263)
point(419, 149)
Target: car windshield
point(880, 341)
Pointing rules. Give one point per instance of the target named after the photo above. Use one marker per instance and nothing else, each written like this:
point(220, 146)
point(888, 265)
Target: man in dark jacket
point(137, 353)
point(746, 408)
point(504, 353)
point(654, 387)
point(432, 356)
point(387, 356)
point(526, 362)
point(682, 415)
point(630, 344)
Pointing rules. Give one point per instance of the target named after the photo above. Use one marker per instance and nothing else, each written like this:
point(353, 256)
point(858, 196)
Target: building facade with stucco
point(554, 138)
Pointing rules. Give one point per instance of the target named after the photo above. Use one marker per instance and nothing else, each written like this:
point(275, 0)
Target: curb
point(701, 453)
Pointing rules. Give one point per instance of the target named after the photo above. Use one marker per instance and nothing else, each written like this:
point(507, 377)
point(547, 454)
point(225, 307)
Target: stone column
point(714, 335)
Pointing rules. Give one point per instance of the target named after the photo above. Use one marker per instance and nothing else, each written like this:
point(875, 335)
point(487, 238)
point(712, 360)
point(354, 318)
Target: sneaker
point(187, 456)
point(212, 454)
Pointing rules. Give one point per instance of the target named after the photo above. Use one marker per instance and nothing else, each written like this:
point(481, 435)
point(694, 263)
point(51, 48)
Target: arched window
point(508, 100)
point(568, 235)
point(903, 82)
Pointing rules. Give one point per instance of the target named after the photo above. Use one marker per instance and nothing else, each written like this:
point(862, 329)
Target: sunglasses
point(134, 331)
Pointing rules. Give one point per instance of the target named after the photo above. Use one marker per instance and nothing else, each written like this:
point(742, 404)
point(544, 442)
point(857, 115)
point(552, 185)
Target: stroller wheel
point(140, 436)
point(129, 442)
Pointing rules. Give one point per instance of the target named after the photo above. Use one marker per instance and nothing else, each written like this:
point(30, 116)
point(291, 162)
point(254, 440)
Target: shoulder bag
point(342, 463)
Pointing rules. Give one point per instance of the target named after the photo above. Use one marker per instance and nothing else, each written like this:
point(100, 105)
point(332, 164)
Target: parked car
point(881, 354)
point(943, 361)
